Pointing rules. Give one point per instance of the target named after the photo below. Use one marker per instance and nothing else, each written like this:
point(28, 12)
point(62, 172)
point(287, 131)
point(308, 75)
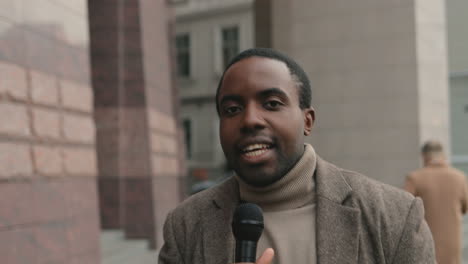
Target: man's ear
point(309, 119)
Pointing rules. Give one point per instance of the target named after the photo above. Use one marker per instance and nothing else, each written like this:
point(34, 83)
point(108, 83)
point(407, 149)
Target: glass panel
point(183, 55)
point(230, 43)
point(187, 126)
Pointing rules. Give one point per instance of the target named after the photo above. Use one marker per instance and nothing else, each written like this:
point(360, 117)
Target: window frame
point(187, 51)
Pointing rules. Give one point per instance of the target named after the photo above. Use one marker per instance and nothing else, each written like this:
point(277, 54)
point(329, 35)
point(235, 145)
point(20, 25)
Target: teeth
point(255, 146)
point(256, 152)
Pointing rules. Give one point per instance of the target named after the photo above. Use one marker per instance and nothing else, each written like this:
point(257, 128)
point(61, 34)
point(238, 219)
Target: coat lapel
point(216, 224)
point(337, 224)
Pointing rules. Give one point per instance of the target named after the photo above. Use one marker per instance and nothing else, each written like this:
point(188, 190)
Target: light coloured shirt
point(289, 212)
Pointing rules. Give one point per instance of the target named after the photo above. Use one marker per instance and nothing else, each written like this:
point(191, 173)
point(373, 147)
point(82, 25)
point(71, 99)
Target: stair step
point(115, 249)
point(136, 255)
point(112, 242)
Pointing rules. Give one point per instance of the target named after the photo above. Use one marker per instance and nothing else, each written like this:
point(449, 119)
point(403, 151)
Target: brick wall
point(48, 168)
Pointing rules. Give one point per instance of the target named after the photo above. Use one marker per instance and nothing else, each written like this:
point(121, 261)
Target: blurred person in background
point(202, 181)
point(444, 192)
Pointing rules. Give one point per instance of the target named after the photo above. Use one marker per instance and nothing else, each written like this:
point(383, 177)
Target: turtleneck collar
point(294, 190)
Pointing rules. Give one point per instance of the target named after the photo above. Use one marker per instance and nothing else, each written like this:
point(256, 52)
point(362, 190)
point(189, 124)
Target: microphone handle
point(246, 251)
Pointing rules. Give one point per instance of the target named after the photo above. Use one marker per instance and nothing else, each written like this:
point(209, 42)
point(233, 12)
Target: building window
point(183, 55)
point(176, 2)
point(187, 126)
point(230, 38)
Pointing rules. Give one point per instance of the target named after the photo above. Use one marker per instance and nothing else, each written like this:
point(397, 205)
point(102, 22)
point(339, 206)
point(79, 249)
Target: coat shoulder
point(201, 203)
point(373, 193)
point(386, 211)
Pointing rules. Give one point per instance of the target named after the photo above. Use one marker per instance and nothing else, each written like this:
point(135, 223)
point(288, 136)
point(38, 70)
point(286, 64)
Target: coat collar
point(337, 224)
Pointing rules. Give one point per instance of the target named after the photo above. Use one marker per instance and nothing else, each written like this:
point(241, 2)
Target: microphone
point(247, 226)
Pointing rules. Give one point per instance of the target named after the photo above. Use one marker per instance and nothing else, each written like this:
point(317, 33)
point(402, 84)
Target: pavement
point(115, 249)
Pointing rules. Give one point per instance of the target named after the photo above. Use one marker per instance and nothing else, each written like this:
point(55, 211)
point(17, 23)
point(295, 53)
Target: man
point(314, 211)
point(443, 190)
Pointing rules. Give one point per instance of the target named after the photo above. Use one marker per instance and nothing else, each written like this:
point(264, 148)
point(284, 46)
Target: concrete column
point(139, 143)
point(378, 74)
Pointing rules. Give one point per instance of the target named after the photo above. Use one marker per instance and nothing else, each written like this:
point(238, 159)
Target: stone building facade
point(91, 132)
point(88, 130)
point(48, 168)
point(209, 34)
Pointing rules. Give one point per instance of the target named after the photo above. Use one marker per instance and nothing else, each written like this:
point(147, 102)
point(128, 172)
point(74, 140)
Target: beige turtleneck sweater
point(289, 212)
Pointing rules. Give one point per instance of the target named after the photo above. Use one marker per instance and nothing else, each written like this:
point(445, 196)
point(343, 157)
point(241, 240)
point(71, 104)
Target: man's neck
point(293, 190)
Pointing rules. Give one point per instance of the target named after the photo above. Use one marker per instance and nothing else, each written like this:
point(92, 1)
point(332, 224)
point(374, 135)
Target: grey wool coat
point(358, 220)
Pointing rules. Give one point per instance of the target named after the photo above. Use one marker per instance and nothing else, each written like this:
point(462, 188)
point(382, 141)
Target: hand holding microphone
point(247, 226)
point(266, 257)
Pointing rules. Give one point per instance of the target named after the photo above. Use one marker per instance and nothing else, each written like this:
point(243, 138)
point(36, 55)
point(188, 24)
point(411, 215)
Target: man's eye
point(273, 104)
point(232, 110)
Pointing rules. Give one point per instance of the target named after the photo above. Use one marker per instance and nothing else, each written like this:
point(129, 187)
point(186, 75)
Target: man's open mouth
point(256, 149)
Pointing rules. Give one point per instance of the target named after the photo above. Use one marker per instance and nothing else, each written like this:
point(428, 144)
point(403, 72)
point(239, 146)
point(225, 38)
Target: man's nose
point(252, 119)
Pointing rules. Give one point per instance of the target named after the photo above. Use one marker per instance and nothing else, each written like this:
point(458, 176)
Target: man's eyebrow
point(272, 91)
point(230, 97)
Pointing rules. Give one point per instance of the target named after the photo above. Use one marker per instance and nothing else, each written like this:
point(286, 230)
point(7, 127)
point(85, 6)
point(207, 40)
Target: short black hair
point(296, 71)
point(432, 146)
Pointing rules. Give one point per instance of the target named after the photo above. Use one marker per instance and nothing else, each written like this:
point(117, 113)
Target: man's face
point(262, 127)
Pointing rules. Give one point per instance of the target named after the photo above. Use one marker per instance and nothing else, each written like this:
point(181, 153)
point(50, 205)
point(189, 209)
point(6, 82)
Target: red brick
point(155, 119)
point(76, 96)
point(15, 204)
point(46, 123)
point(107, 146)
point(107, 117)
point(165, 165)
point(15, 160)
point(105, 96)
point(49, 200)
point(165, 199)
point(18, 246)
point(110, 202)
point(48, 160)
point(80, 161)
point(81, 196)
point(52, 242)
point(163, 144)
point(79, 128)
point(134, 138)
point(138, 207)
point(90, 257)
point(161, 121)
point(169, 145)
point(14, 119)
point(13, 81)
point(83, 234)
point(44, 88)
point(156, 145)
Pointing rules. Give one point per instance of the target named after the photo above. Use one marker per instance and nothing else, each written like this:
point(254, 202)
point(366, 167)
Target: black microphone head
point(247, 223)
